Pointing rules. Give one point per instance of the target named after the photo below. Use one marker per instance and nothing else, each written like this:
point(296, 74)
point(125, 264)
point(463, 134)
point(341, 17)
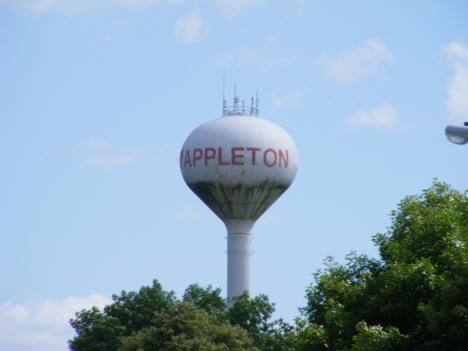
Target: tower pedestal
point(239, 257)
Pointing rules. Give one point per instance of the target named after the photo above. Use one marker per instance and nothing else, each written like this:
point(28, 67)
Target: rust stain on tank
point(243, 172)
point(238, 201)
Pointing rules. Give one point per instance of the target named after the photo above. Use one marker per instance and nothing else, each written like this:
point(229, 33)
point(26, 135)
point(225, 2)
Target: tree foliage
point(254, 315)
point(414, 298)
point(130, 313)
point(96, 331)
point(186, 327)
point(209, 300)
point(135, 312)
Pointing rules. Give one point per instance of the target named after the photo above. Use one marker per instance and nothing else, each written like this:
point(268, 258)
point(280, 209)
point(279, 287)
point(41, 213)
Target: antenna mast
point(224, 101)
point(236, 109)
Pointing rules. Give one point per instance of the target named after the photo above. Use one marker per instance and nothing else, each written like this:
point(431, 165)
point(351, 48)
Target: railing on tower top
point(240, 110)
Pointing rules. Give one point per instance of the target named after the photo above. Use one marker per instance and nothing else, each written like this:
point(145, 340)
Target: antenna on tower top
point(224, 101)
point(236, 109)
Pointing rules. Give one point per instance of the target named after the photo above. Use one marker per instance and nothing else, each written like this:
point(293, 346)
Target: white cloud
point(384, 116)
point(110, 161)
point(100, 154)
point(350, 65)
point(259, 57)
point(271, 39)
point(456, 56)
point(231, 8)
point(288, 100)
point(42, 325)
point(92, 145)
point(454, 52)
point(188, 28)
point(74, 7)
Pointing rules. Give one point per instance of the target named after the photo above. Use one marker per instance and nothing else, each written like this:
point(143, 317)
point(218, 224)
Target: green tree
point(134, 312)
point(308, 336)
point(254, 315)
point(207, 299)
point(187, 327)
point(130, 313)
point(96, 331)
point(376, 338)
point(414, 298)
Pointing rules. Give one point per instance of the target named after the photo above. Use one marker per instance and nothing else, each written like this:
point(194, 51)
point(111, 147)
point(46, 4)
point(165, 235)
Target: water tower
point(238, 165)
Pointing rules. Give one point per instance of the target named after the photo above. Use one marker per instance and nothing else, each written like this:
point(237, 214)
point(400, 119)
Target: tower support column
point(239, 257)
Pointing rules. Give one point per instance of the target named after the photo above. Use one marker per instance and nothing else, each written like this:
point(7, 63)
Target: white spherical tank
point(238, 166)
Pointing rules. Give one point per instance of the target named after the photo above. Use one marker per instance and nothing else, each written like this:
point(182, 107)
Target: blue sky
point(97, 98)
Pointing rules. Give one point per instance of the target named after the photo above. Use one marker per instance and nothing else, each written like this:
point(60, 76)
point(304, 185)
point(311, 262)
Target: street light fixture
point(457, 134)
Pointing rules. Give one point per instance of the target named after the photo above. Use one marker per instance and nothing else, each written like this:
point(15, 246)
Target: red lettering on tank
point(209, 157)
point(234, 156)
point(254, 151)
point(187, 159)
point(265, 157)
point(195, 157)
point(281, 157)
point(220, 158)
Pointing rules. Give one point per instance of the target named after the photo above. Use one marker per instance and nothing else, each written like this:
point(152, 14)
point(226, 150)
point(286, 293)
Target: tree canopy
point(130, 313)
point(139, 312)
point(186, 327)
point(415, 297)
